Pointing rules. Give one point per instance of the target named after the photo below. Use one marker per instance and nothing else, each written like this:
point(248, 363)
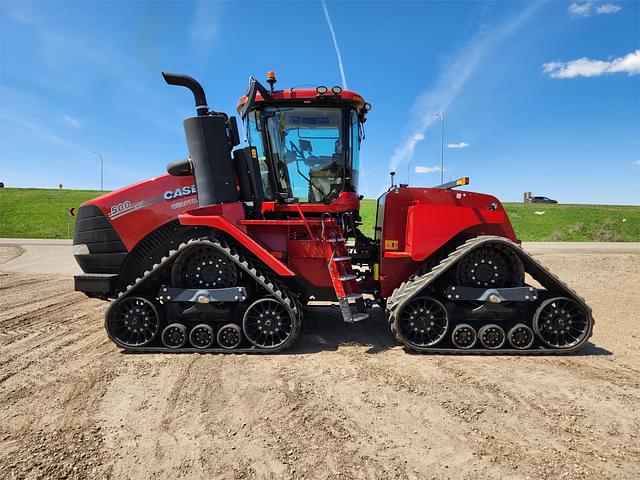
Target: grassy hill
point(558, 223)
point(575, 223)
point(40, 213)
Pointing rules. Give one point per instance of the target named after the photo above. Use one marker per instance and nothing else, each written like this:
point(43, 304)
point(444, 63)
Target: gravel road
point(345, 402)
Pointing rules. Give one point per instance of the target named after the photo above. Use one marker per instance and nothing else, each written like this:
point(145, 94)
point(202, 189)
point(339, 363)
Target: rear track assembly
point(513, 318)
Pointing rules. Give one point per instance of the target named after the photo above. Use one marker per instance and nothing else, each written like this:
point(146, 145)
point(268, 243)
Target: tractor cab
point(306, 141)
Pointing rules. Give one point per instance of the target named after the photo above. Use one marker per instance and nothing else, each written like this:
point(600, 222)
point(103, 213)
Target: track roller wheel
point(464, 336)
point(490, 266)
point(229, 336)
point(268, 324)
point(203, 267)
point(133, 322)
point(520, 336)
point(491, 336)
point(174, 335)
point(423, 322)
point(561, 322)
point(201, 336)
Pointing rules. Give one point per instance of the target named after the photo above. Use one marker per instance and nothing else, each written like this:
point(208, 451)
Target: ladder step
point(334, 240)
point(354, 296)
point(346, 278)
point(341, 259)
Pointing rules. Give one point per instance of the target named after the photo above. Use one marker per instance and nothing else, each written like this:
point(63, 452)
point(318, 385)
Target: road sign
point(71, 212)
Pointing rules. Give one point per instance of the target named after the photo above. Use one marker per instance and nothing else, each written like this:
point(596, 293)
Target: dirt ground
point(344, 403)
point(9, 252)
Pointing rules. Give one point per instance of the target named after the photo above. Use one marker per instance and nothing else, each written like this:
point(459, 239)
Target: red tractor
point(224, 252)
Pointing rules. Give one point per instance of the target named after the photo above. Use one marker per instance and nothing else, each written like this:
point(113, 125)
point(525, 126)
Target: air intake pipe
point(210, 138)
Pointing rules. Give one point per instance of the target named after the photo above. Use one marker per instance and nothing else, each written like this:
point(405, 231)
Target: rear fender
point(223, 217)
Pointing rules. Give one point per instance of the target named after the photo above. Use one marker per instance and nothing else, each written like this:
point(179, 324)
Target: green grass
point(559, 223)
point(575, 223)
point(368, 214)
point(40, 213)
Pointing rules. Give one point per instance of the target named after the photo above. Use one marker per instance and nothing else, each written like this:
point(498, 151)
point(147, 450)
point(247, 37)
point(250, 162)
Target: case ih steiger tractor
point(224, 252)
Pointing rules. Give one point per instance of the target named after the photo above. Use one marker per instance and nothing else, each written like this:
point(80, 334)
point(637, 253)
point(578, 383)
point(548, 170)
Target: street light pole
point(441, 115)
point(101, 171)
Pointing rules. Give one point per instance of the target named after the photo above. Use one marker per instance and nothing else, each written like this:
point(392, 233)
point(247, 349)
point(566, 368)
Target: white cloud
point(41, 133)
point(335, 44)
point(608, 8)
point(74, 122)
point(585, 67)
point(451, 80)
point(18, 12)
point(421, 169)
point(637, 162)
point(581, 9)
point(205, 28)
point(586, 8)
point(458, 145)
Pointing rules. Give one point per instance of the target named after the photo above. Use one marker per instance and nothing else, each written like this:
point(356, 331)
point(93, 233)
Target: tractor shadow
point(591, 350)
point(324, 330)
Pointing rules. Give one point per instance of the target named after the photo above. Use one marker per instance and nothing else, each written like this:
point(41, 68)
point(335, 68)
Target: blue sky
point(546, 96)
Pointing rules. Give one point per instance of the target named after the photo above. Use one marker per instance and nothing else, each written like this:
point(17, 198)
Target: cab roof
point(307, 96)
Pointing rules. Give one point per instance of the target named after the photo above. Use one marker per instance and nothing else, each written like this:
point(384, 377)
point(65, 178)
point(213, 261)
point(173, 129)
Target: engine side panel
point(138, 209)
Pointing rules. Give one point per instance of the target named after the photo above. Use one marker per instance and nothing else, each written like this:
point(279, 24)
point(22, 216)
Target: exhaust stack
point(192, 84)
point(210, 138)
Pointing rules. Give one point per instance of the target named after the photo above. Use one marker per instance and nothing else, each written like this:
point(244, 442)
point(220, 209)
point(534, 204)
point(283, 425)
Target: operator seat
point(323, 177)
point(325, 174)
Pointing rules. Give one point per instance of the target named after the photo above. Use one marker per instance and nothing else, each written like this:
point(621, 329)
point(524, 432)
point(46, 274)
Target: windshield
point(308, 149)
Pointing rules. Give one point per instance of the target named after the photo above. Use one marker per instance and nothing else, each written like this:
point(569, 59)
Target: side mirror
point(305, 145)
point(255, 87)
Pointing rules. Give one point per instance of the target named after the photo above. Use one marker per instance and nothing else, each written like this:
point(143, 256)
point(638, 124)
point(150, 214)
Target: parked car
point(542, 200)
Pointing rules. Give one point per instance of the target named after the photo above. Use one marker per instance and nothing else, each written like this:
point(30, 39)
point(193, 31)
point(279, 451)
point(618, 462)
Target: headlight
point(80, 249)
point(337, 90)
point(321, 90)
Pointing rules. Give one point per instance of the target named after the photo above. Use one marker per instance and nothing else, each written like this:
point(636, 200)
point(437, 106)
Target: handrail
point(306, 223)
point(322, 220)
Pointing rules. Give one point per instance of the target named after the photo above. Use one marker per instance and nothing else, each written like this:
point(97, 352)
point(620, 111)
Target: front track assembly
point(205, 296)
point(476, 301)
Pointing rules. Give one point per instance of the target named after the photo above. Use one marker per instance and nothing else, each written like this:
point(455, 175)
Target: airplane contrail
point(335, 44)
point(450, 82)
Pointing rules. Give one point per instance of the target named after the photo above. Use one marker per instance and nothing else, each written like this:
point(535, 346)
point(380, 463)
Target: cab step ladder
point(350, 299)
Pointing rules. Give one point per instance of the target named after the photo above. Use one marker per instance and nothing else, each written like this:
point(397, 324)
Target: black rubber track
point(267, 281)
point(412, 287)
